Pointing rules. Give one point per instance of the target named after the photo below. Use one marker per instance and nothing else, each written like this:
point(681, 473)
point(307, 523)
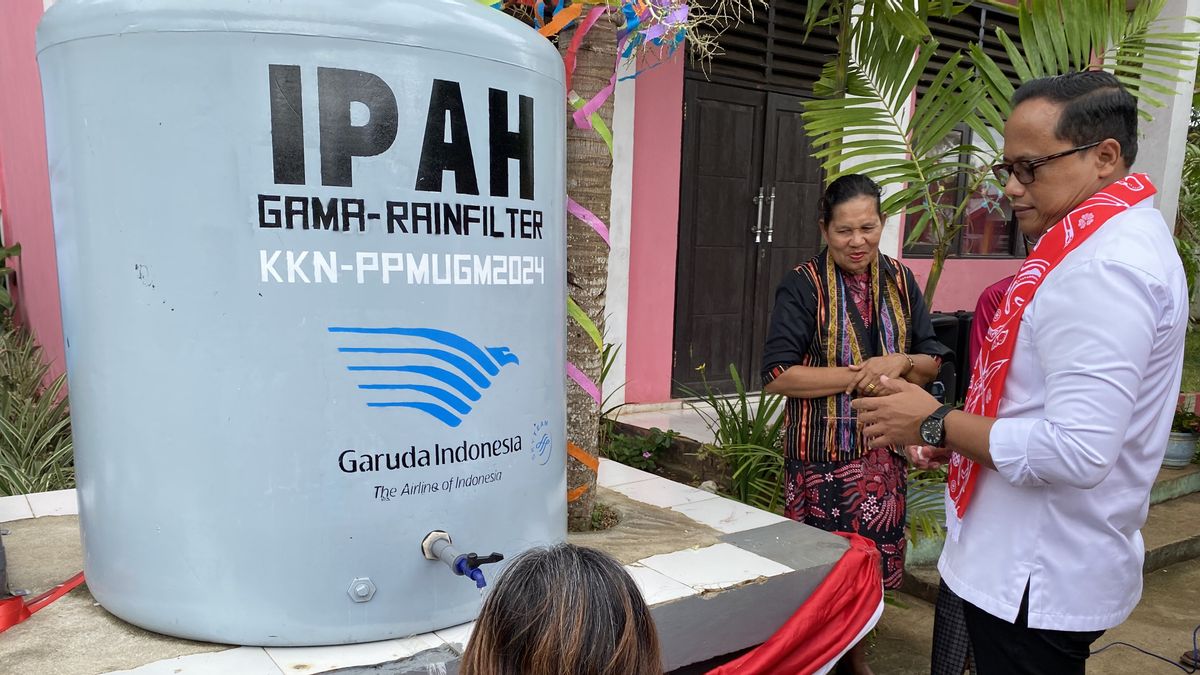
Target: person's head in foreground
point(1067, 138)
point(564, 609)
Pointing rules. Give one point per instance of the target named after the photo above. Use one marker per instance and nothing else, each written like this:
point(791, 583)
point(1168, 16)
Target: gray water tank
point(312, 259)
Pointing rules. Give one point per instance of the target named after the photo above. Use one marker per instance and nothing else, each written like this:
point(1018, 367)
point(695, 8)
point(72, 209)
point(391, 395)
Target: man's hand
point(927, 456)
point(894, 417)
point(870, 372)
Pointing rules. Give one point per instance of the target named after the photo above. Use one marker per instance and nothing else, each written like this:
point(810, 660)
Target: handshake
point(927, 456)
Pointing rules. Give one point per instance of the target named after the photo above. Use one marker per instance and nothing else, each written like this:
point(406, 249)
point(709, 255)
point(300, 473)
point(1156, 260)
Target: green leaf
point(747, 437)
point(35, 439)
point(581, 318)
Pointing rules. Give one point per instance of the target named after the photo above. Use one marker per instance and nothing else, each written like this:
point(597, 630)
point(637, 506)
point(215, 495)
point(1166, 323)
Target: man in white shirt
point(1077, 386)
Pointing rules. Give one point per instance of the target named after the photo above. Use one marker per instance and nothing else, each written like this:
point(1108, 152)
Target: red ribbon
point(844, 606)
point(577, 39)
point(15, 610)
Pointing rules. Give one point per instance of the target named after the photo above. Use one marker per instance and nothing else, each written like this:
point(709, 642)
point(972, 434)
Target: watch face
point(931, 432)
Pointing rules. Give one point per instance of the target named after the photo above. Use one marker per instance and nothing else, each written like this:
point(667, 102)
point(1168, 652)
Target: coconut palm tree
point(589, 183)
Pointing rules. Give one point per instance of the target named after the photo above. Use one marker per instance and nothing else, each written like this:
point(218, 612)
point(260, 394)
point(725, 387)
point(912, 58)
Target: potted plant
point(1181, 445)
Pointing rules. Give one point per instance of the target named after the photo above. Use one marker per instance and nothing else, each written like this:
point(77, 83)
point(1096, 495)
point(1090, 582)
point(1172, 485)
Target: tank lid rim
point(423, 24)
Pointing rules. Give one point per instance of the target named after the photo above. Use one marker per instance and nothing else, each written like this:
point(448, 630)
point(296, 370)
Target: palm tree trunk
point(589, 183)
point(935, 273)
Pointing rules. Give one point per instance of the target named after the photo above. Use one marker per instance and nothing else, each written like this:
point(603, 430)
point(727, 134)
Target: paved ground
point(73, 636)
point(1162, 623)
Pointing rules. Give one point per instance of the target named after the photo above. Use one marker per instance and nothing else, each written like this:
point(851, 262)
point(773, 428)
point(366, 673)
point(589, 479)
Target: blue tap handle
point(477, 575)
point(463, 567)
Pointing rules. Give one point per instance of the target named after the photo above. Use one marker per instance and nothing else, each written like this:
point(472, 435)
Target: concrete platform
point(699, 559)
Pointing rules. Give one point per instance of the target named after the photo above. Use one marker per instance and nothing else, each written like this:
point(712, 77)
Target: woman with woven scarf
point(840, 322)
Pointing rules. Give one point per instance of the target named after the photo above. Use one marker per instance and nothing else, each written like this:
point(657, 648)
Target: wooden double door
point(748, 214)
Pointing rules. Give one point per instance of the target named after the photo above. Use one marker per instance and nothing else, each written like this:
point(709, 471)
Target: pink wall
point(24, 179)
point(962, 280)
point(654, 232)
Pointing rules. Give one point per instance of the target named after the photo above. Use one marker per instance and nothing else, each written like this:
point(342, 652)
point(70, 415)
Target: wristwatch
point(933, 429)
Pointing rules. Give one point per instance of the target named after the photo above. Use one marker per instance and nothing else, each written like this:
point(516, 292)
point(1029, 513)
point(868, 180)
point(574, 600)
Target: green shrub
point(640, 452)
point(35, 426)
point(1185, 422)
point(925, 507)
point(746, 439)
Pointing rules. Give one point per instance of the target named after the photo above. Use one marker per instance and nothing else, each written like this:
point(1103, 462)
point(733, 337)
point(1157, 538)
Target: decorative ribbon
point(584, 113)
point(15, 610)
point(585, 459)
point(584, 381)
point(585, 323)
point(590, 218)
point(596, 122)
point(839, 613)
point(642, 23)
point(639, 72)
point(642, 26)
point(561, 20)
point(573, 50)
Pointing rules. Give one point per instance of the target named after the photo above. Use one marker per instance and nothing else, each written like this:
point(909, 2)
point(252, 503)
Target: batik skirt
point(864, 495)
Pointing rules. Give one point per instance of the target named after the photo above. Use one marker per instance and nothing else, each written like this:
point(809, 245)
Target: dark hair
point(843, 190)
point(1095, 106)
point(564, 609)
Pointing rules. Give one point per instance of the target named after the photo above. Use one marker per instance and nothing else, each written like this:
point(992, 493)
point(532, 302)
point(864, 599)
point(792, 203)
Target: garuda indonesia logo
point(434, 371)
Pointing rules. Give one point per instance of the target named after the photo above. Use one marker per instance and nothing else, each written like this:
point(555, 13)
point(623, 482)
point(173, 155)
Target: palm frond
point(926, 506)
point(1060, 36)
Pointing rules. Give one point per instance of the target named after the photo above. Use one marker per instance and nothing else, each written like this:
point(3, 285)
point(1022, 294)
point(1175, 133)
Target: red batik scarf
point(990, 369)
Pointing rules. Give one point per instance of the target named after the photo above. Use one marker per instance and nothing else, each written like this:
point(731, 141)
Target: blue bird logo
point(445, 390)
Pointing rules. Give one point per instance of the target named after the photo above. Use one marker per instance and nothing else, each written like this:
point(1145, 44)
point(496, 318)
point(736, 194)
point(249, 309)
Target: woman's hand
point(927, 456)
point(895, 417)
point(893, 366)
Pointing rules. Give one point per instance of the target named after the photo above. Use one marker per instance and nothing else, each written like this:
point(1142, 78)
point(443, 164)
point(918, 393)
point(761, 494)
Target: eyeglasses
point(1023, 168)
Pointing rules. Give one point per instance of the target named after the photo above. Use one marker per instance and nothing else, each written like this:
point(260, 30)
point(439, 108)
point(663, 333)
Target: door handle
point(771, 218)
point(758, 219)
